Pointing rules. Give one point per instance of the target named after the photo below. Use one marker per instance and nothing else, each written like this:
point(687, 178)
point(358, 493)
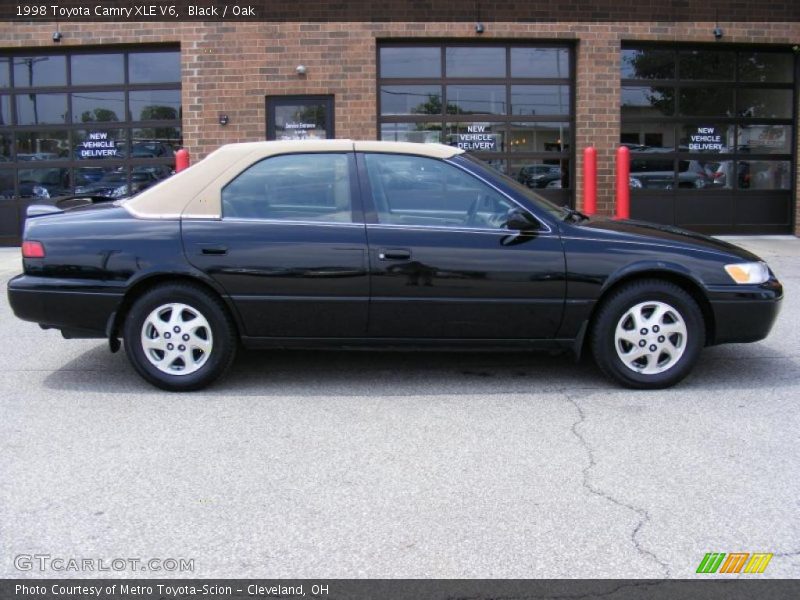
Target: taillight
point(32, 250)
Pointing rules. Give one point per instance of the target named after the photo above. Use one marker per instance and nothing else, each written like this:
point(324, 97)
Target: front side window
point(292, 187)
point(420, 191)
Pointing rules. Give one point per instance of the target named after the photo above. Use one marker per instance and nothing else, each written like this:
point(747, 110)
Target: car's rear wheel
point(648, 334)
point(179, 337)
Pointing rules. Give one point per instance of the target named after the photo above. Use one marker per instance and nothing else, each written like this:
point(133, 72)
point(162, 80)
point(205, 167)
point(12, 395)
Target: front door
point(290, 249)
point(443, 263)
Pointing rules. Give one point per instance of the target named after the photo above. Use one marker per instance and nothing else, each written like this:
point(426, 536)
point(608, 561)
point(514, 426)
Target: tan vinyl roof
point(196, 191)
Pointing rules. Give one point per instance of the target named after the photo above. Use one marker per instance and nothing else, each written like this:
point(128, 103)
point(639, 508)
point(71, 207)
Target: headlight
point(634, 183)
point(752, 272)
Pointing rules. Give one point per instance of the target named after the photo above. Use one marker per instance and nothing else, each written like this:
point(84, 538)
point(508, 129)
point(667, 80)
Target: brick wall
point(229, 67)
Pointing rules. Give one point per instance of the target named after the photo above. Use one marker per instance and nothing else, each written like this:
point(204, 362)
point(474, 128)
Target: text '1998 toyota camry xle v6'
point(345, 244)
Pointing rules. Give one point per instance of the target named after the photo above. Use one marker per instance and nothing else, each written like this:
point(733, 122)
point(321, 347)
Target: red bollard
point(590, 180)
point(181, 160)
point(623, 182)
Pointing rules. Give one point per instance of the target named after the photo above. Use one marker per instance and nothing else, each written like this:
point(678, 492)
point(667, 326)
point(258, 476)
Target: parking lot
point(381, 464)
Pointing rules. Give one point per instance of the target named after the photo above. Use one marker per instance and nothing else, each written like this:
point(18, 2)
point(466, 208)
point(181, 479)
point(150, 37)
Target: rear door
point(290, 248)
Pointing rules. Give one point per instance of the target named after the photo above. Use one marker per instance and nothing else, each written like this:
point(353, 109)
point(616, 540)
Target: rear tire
point(179, 337)
point(648, 334)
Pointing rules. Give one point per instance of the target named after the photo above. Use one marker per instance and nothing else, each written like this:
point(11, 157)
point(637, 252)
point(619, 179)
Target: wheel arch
point(144, 284)
point(678, 277)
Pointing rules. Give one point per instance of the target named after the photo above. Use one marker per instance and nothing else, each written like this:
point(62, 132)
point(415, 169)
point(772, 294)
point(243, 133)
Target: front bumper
point(745, 313)
point(79, 308)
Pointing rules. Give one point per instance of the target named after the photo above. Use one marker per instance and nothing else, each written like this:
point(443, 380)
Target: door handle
point(394, 254)
point(214, 250)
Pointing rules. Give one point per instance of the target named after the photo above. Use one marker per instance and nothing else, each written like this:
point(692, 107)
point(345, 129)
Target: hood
point(661, 234)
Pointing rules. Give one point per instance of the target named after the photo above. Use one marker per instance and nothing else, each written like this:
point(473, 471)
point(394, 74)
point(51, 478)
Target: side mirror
point(519, 220)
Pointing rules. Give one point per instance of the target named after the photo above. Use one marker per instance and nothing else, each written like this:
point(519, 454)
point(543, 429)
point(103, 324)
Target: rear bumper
point(78, 308)
point(745, 313)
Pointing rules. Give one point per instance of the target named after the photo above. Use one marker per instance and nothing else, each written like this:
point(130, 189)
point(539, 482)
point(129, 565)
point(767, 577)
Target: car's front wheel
point(179, 337)
point(648, 334)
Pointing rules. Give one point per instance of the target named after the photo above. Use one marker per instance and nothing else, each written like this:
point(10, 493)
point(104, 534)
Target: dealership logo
point(735, 562)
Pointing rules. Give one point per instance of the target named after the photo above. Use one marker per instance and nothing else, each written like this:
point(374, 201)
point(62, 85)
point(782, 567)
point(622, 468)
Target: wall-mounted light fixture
point(479, 28)
point(301, 70)
point(223, 120)
point(57, 37)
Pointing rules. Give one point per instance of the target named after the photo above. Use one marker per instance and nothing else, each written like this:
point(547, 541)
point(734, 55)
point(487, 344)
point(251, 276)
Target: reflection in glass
point(711, 65)
point(764, 174)
point(648, 64)
point(539, 173)
point(540, 62)
point(41, 109)
point(155, 105)
point(476, 136)
point(540, 99)
point(644, 137)
point(50, 144)
point(6, 184)
point(88, 69)
point(538, 137)
point(100, 107)
point(5, 77)
point(411, 62)
point(99, 180)
point(707, 138)
point(476, 99)
point(411, 100)
point(49, 182)
point(652, 173)
point(39, 71)
point(475, 61)
point(771, 67)
point(647, 101)
point(304, 121)
point(158, 142)
point(703, 102)
point(100, 143)
point(424, 133)
point(5, 112)
point(5, 147)
point(765, 139)
point(776, 104)
point(154, 67)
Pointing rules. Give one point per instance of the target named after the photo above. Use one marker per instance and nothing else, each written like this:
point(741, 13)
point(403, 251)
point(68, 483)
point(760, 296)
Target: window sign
point(97, 145)
point(705, 139)
point(299, 117)
point(477, 139)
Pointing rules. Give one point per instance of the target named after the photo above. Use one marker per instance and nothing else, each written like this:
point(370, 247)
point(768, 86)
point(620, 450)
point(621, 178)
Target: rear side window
point(416, 190)
point(292, 187)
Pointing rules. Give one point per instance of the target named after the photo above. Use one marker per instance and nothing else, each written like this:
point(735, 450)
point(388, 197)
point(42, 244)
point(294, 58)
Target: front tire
point(179, 337)
point(648, 334)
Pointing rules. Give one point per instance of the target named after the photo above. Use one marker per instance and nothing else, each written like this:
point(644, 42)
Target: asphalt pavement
point(382, 464)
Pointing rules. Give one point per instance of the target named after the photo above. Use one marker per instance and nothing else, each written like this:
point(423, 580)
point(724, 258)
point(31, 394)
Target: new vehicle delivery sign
point(705, 139)
point(477, 139)
point(97, 145)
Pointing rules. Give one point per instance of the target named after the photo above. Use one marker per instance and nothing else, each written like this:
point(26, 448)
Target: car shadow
point(405, 373)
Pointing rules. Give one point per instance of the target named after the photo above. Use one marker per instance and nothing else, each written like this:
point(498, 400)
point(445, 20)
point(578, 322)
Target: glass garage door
point(509, 104)
point(711, 133)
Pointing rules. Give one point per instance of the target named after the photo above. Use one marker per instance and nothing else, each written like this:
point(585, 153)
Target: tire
point(648, 334)
point(164, 317)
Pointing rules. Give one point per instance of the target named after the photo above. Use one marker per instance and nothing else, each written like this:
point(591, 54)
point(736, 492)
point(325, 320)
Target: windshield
point(523, 190)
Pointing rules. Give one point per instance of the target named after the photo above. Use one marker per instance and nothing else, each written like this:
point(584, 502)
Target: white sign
point(97, 145)
point(705, 139)
point(477, 139)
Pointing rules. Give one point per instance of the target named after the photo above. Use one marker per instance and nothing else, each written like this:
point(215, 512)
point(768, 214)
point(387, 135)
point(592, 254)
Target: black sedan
point(345, 244)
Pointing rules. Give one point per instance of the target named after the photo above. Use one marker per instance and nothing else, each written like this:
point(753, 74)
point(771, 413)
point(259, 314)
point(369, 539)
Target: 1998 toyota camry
point(341, 243)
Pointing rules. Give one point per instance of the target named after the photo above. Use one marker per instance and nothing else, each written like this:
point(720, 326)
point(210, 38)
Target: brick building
point(710, 120)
